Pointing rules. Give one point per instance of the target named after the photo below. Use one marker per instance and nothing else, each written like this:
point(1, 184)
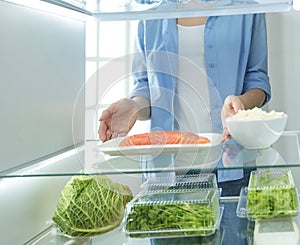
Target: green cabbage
point(91, 205)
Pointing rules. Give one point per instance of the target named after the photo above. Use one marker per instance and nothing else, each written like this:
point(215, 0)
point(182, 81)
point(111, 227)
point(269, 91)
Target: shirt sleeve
point(139, 66)
point(256, 75)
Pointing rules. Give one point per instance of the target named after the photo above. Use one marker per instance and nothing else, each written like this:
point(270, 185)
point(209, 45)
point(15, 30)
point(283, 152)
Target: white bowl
point(256, 134)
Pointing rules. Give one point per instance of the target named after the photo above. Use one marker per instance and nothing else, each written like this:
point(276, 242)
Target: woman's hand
point(252, 98)
point(118, 119)
point(232, 105)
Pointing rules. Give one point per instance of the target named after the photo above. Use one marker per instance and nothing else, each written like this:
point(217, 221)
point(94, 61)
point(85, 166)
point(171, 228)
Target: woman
point(192, 73)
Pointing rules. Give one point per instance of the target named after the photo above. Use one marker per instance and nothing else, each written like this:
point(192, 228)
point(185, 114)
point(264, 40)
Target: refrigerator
point(43, 101)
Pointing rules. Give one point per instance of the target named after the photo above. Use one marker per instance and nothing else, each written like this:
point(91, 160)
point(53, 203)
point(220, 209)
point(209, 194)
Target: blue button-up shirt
point(236, 61)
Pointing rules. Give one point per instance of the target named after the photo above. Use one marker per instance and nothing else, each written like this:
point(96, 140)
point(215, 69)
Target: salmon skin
point(163, 138)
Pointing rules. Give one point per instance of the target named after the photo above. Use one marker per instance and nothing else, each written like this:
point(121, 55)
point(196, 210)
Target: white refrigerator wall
point(42, 73)
point(284, 64)
point(284, 68)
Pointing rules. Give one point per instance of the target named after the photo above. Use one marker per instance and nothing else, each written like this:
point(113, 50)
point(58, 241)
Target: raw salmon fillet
point(163, 138)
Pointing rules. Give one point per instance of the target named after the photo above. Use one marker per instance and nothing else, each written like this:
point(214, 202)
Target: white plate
point(112, 147)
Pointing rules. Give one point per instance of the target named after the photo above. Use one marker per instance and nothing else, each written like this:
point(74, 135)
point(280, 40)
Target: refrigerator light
point(27, 172)
point(296, 5)
point(51, 8)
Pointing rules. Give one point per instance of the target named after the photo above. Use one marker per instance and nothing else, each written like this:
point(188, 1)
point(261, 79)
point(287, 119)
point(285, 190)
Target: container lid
point(175, 196)
point(190, 181)
point(271, 179)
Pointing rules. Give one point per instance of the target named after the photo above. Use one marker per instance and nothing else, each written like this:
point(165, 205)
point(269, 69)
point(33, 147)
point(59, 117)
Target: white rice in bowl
point(256, 114)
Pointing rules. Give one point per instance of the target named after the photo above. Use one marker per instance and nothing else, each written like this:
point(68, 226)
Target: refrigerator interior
point(42, 76)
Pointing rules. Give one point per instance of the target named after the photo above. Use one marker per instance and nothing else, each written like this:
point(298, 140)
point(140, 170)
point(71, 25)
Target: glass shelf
point(233, 229)
point(87, 160)
point(107, 10)
point(137, 9)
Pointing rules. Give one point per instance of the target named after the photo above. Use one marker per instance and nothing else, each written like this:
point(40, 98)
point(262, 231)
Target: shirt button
point(210, 45)
point(211, 65)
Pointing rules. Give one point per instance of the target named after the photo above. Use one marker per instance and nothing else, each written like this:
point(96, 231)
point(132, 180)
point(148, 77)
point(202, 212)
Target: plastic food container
point(271, 193)
point(173, 212)
point(192, 181)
